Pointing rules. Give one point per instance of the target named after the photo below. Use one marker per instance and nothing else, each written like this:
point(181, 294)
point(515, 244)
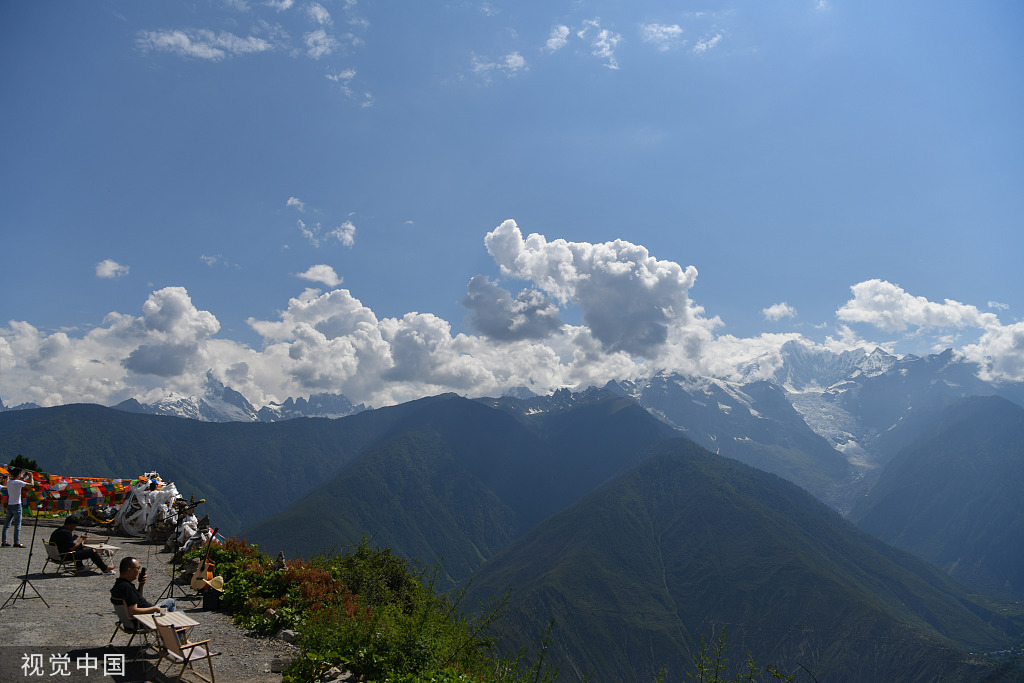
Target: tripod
point(168, 591)
point(19, 592)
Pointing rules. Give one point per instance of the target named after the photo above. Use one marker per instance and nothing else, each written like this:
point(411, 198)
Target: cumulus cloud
point(496, 315)
point(1000, 352)
point(889, 307)
point(628, 298)
point(635, 317)
point(281, 5)
point(558, 39)
point(109, 269)
point(323, 274)
point(777, 312)
point(200, 43)
point(165, 350)
point(662, 36)
point(297, 203)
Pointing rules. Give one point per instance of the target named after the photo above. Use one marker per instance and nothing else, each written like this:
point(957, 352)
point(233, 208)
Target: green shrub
point(377, 614)
point(367, 610)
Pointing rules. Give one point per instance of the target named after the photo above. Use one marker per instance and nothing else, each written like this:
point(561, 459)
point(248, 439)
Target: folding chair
point(127, 624)
point(62, 560)
point(183, 653)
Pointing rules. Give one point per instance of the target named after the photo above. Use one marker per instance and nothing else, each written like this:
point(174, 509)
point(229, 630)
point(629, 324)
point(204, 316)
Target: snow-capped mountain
point(318, 405)
point(220, 403)
point(827, 421)
point(217, 404)
point(805, 367)
point(751, 422)
point(21, 406)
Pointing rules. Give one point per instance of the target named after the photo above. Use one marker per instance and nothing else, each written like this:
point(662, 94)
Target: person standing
point(15, 484)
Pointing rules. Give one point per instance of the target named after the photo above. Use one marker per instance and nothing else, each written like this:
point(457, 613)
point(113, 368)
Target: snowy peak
point(220, 403)
point(800, 367)
point(804, 367)
point(878, 362)
point(318, 405)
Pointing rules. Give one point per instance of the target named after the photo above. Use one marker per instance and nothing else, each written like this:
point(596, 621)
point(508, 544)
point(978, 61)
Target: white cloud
point(314, 234)
point(662, 36)
point(280, 5)
point(510, 65)
point(777, 312)
point(110, 269)
point(705, 44)
point(345, 233)
point(319, 43)
point(636, 318)
point(998, 306)
point(323, 274)
point(495, 314)
point(1000, 352)
point(201, 43)
point(319, 14)
point(297, 203)
point(629, 299)
point(558, 39)
point(344, 79)
point(603, 42)
point(889, 307)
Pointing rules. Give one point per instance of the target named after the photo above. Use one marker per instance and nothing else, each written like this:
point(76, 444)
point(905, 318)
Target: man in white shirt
point(14, 484)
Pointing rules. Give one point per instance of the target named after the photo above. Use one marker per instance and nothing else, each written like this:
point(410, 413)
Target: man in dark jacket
point(125, 591)
point(66, 542)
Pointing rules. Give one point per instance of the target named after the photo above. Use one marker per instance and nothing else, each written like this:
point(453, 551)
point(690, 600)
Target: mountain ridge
point(739, 549)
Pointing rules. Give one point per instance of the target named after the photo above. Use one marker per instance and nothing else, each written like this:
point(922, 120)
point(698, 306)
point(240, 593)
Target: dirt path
point(80, 620)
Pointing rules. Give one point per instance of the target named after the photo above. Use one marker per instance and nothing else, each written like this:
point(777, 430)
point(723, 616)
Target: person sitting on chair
point(66, 542)
point(124, 590)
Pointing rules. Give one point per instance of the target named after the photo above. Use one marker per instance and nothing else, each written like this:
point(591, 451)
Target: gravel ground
point(80, 619)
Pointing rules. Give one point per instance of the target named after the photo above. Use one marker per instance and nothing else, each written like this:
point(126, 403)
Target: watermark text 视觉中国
point(34, 665)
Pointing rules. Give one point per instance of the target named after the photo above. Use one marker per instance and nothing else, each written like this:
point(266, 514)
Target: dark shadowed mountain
point(953, 496)
point(688, 543)
point(244, 471)
point(456, 480)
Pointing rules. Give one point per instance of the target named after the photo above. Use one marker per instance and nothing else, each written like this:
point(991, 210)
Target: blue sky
point(312, 196)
